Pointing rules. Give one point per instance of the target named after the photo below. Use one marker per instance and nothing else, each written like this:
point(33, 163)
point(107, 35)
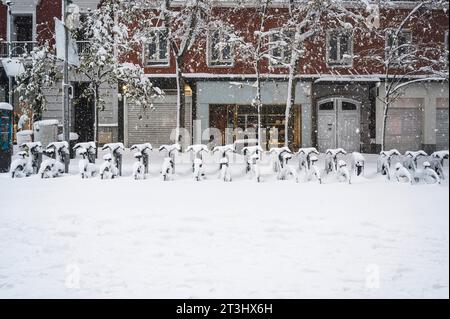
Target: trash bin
point(45, 131)
point(6, 130)
point(73, 141)
point(25, 136)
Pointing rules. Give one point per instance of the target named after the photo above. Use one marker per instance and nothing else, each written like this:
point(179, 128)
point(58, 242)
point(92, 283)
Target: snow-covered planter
point(51, 168)
point(91, 149)
point(410, 160)
point(436, 161)
point(331, 159)
point(248, 152)
point(168, 168)
point(85, 168)
point(108, 170)
point(385, 161)
point(343, 173)
point(304, 157)
point(145, 150)
point(402, 174)
point(116, 150)
point(34, 150)
point(20, 167)
point(138, 167)
point(358, 163)
point(197, 153)
point(171, 151)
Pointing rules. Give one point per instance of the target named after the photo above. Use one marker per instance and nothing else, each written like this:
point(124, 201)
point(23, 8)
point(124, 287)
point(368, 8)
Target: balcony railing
point(16, 48)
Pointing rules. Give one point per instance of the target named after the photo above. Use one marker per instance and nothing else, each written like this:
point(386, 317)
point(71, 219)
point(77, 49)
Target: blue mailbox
point(6, 130)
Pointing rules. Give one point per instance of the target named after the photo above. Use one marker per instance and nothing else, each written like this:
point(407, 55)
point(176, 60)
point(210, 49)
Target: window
point(280, 52)
point(347, 106)
point(157, 50)
point(398, 46)
point(220, 50)
point(326, 106)
point(339, 48)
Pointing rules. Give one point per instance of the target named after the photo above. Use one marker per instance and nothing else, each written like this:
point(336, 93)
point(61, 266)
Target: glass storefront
point(244, 118)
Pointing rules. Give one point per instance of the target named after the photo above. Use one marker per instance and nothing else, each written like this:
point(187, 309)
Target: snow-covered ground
point(68, 237)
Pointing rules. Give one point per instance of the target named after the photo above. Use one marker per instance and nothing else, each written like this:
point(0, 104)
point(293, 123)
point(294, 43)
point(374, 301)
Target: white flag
point(73, 58)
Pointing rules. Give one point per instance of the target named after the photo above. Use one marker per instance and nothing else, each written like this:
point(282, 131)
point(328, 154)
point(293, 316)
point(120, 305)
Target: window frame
point(341, 63)
point(395, 63)
point(271, 49)
point(221, 63)
point(154, 63)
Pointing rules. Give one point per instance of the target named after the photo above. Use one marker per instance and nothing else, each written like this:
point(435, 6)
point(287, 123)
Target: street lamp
point(71, 17)
point(9, 5)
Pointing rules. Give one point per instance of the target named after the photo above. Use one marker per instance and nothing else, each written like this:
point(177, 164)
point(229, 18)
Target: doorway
point(339, 124)
point(83, 105)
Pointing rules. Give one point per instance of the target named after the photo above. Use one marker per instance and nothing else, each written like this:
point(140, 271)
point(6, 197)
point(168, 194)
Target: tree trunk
point(181, 99)
point(96, 112)
point(385, 116)
point(292, 83)
point(258, 102)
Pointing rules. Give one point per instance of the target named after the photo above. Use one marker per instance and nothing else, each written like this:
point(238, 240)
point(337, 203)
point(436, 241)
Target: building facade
point(338, 93)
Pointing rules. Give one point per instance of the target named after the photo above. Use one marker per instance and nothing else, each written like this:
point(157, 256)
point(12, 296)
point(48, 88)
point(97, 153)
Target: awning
point(13, 67)
point(347, 78)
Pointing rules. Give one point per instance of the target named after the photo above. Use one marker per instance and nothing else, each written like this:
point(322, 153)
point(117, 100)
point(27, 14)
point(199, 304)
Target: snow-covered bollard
point(429, 175)
point(358, 163)
point(304, 157)
point(410, 161)
point(116, 150)
point(331, 159)
point(197, 153)
point(138, 167)
point(248, 152)
point(108, 170)
point(20, 166)
point(437, 162)
point(34, 150)
point(145, 150)
point(51, 168)
point(385, 161)
point(85, 168)
point(168, 168)
point(343, 173)
point(314, 170)
point(171, 151)
point(91, 149)
point(402, 174)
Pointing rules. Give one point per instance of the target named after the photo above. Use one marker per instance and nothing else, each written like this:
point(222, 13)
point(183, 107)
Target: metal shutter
point(404, 129)
point(442, 129)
